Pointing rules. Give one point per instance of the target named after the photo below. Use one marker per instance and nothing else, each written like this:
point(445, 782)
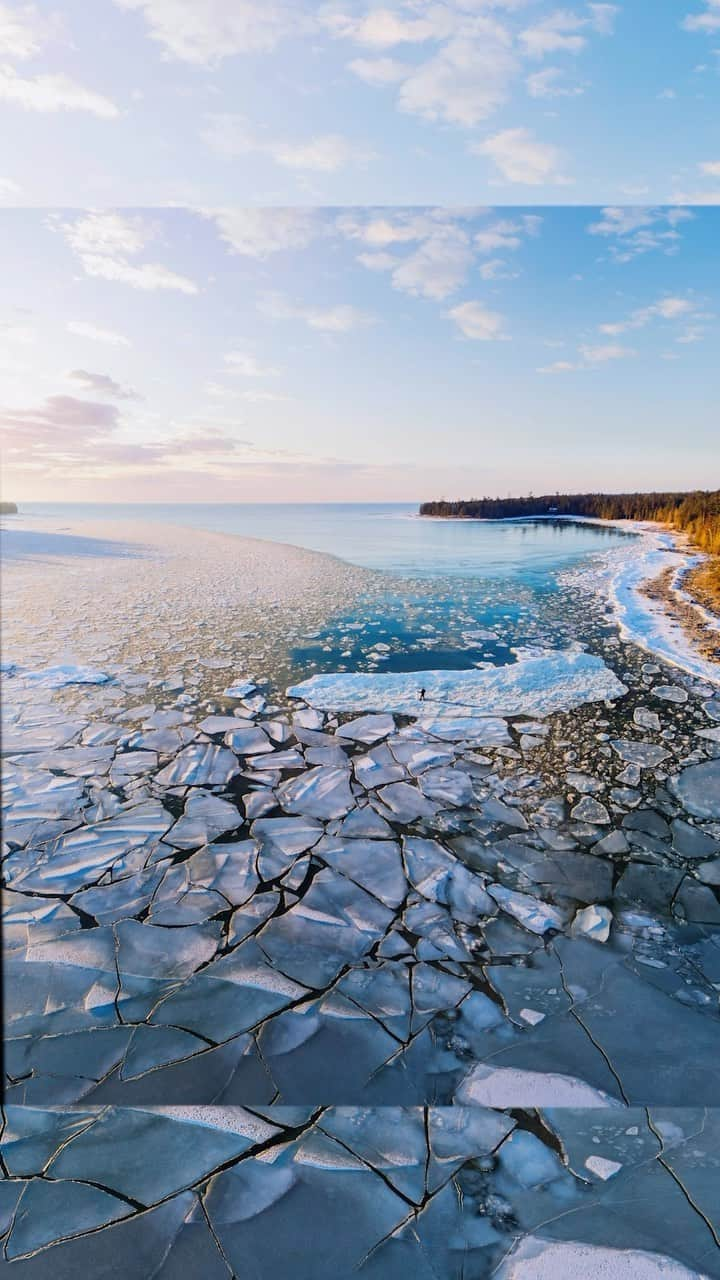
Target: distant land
point(696, 514)
point(8, 508)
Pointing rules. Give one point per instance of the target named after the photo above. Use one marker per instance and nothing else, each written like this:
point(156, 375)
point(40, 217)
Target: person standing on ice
point(422, 695)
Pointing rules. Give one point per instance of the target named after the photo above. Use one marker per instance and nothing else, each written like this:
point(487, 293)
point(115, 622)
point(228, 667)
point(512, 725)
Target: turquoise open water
point(456, 594)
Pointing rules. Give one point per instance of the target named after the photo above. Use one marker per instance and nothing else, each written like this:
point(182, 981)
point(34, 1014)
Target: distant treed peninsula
point(8, 508)
point(696, 514)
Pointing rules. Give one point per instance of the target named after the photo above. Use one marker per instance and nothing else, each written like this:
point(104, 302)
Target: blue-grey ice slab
point(538, 683)
point(469, 1190)
point(204, 818)
point(200, 764)
point(698, 789)
point(247, 740)
point(81, 856)
point(319, 793)
point(367, 729)
point(647, 755)
point(538, 917)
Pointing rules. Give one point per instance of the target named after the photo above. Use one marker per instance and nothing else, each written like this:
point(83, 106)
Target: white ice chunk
point(593, 922)
point(530, 912)
point(539, 683)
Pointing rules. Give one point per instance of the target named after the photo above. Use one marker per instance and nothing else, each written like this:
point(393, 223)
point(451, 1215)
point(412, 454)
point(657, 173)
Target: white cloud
point(104, 241)
point(550, 83)
point(206, 31)
point(22, 31)
point(378, 71)
point(496, 269)
point(708, 20)
point(230, 135)
point(102, 384)
point(9, 189)
point(477, 322)
point(148, 277)
point(438, 267)
point(247, 366)
point(466, 81)
point(711, 168)
point(443, 249)
point(558, 366)
point(383, 29)
point(441, 253)
point(507, 234)
point(667, 308)
point(341, 318)
point(704, 197)
point(563, 30)
point(601, 353)
point(378, 261)
point(83, 329)
point(53, 93)
point(462, 62)
point(256, 233)
point(590, 357)
point(639, 230)
point(520, 158)
point(107, 233)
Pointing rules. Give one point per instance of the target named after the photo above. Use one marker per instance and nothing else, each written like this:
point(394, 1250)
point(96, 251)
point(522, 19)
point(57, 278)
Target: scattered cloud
point(591, 356)
point(707, 20)
point(60, 422)
point(439, 248)
point(83, 329)
point(103, 384)
point(258, 233)
point(634, 231)
point(551, 83)
point(231, 135)
point(9, 190)
point(103, 242)
point(341, 318)
point(23, 32)
point(49, 93)
point(475, 321)
point(432, 251)
point(466, 81)
point(603, 352)
point(667, 308)
point(564, 31)
point(711, 168)
point(507, 233)
point(520, 158)
point(558, 366)
point(204, 32)
point(247, 366)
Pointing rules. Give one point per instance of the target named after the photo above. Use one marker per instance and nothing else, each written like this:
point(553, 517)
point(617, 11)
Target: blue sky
point(357, 354)
point(207, 102)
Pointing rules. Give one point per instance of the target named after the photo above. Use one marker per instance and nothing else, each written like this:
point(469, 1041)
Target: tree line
point(696, 513)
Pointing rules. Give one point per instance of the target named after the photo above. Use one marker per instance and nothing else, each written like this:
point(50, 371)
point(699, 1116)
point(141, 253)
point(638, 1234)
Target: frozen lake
point(389, 536)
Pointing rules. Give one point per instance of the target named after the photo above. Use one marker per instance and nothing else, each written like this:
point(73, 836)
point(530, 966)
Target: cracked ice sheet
point(380, 954)
point(435, 1192)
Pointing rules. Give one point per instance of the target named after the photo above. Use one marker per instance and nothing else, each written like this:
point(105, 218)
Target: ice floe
point(537, 684)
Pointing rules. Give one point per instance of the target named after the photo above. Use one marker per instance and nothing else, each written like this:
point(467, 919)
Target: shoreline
point(692, 650)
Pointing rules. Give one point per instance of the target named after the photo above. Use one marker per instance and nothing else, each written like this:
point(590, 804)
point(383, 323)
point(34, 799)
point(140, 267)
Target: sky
point(357, 354)
point(274, 102)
